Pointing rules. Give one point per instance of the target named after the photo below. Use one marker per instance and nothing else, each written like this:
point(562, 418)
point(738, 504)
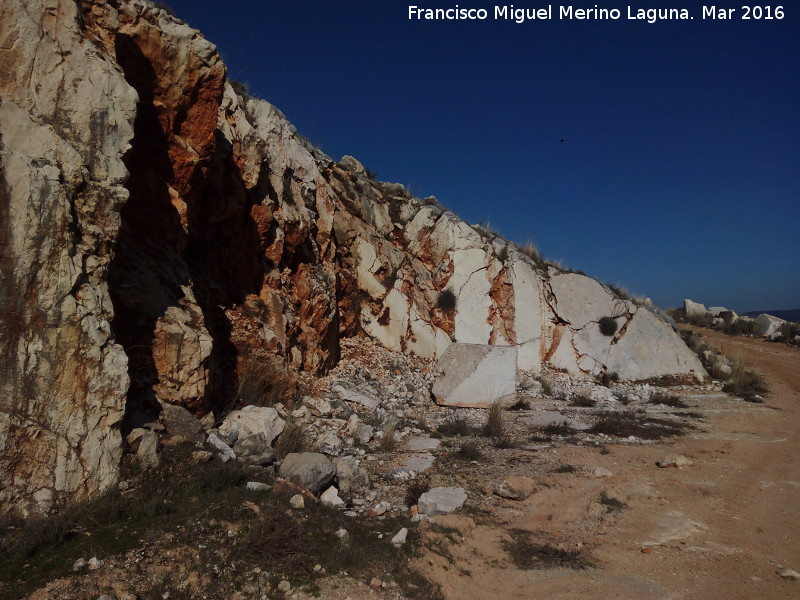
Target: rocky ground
point(687, 493)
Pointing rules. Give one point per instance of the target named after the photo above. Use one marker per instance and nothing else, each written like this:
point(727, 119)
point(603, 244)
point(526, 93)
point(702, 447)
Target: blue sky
point(679, 173)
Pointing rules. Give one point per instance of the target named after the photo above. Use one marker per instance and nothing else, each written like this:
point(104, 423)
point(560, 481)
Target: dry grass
point(582, 400)
point(668, 400)
point(456, 427)
point(261, 383)
point(637, 424)
point(389, 439)
point(744, 382)
point(495, 421)
point(293, 438)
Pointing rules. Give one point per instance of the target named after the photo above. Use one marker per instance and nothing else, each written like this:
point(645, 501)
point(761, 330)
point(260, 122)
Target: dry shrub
point(389, 439)
point(744, 382)
point(293, 438)
point(495, 426)
point(262, 383)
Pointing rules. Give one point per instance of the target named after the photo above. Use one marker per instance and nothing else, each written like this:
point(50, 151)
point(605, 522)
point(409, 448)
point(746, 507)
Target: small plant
point(446, 301)
point(531, 251)
point(611, 504)
point(668, 400)
point(606, 379)
point(561, 428)
point(456, 427)
point(547, 387)
point(415, 489)
point(389, 439)
point(520, 405)
point(582, 400)
point(565, 469)
point(261, 383)
point(619, 291)
point(502, 256)
point(527, 554)
point(608, 326)
point(292, 439)
point(504, 442)
point(469, 451)
point(745, 383)
point(495, 426)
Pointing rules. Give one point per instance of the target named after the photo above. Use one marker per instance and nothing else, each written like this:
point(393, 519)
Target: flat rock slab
point(475, 375)
point(422, 444)
point(351, 395)
point(441, 501)
point(549, 417)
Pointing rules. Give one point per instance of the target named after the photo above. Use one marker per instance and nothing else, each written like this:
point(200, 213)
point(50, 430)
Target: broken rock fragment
point(476, 375)
point(441, 501)
point(310, 470)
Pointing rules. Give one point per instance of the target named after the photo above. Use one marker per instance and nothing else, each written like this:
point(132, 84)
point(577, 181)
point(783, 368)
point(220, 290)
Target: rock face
point(160, 230)
point(766, 325)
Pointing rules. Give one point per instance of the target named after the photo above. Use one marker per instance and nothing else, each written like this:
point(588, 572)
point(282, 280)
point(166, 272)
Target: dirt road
point(718, 529)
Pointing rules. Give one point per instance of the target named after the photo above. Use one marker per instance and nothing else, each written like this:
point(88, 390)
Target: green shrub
point(608, 326)
point(446, 301)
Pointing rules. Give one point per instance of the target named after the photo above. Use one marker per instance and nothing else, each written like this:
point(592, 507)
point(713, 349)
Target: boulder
point(515, 487)
point(329, 443)
point(145, 444)
point(353, 478)
point(254, 450)
point(441, 501)
point(224, 451)
point(716, 311)
point(310, 470)
point(694, 309)
point(766, 325)
point(330, 497)
point(251, 420)
point(475, 375)
point(180, 422)
point(677, 461)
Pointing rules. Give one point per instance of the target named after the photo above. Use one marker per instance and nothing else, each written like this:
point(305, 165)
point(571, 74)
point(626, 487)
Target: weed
point(668, 400)
point(415, 489)
point(624, 399)
point(527, 554)
point(446, 301)
point(502, 256)
point(547, 387)
point(293, 438)
point(504, 442)
point(261, 383)
point(520, 405)
point(619, 291)
point(565, 469)
point(606, 379)
point(561, 428)
point(608, 326)
point(745, 383)
point(582, 400)
point(456, 427)
point(495, 426)
point(469, 451)
point(389, 439)
point(612, 504)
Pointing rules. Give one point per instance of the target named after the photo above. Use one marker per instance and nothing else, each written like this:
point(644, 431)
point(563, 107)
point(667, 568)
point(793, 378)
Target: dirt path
point(718, 529)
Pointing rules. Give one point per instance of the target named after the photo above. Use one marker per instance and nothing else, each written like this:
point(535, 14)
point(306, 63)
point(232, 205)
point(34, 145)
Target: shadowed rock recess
point(158, 230)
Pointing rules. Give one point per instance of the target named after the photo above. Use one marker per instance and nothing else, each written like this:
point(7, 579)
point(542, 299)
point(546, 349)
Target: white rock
point(788, 573)
point(257, 486)
point(441, 500)
point(94, 563)
point(297, 501)
point(351, 395)
point(766, 325)
point(330, 497)
point(251, 420)
point(475, 375)
point(400, 537)
point(694, 309)
point(225, 451)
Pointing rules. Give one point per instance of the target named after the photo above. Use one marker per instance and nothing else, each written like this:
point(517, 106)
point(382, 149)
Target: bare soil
point(720, 528)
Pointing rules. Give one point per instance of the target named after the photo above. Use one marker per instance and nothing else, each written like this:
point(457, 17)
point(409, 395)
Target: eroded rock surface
point(160, 230)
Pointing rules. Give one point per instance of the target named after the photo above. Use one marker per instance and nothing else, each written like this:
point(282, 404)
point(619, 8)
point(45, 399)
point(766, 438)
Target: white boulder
point(475, 375)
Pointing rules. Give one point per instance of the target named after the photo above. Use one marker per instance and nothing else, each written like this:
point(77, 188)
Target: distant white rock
point(694, 309)
point(766, 325)
point(441, 501)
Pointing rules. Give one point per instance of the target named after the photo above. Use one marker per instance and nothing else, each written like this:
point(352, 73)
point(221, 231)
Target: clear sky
point(679, 171)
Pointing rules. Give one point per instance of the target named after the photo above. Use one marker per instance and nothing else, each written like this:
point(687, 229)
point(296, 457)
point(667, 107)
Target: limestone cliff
point(156, 228)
